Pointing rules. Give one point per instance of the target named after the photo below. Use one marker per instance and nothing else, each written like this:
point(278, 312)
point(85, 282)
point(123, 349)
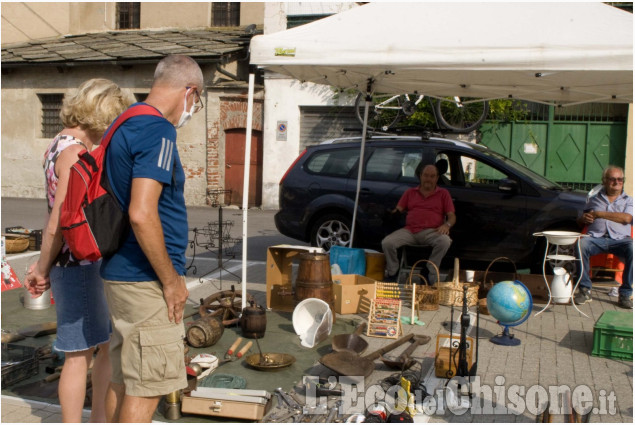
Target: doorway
point(235, 166)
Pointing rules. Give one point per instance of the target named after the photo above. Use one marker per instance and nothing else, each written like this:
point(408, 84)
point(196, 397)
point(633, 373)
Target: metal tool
point(352, 343)
point(296, 415)
point(295, 410)
point(311, 413)
point(333, 412)
point(288, 399)
point(321, 388)
point(272, 415)
point(278, 399)
point(404, 361)
point(262, 358)
point(349, 364)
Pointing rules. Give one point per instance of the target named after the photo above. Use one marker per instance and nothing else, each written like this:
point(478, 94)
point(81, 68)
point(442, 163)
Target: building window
point(51, 107)
point(297, 20)
point(128, 15)
point(226, 14)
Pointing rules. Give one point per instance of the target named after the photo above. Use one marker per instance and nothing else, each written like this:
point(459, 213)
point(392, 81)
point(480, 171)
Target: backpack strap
point(133, 111)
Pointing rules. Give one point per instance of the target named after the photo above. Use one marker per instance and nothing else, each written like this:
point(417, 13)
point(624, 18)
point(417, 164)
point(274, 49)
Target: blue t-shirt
point(145, 147)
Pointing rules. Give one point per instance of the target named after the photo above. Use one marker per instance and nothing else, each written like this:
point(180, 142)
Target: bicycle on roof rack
point(452, 113)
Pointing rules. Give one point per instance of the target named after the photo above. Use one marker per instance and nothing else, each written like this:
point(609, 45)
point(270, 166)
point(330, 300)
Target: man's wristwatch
point(447, 223)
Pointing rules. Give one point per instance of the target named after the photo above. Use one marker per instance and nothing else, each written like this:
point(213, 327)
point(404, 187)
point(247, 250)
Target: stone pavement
point(555, 351)
point(20, 410)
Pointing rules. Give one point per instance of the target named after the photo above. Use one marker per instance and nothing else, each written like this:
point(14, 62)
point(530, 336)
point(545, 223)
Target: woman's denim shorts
point(83, 320)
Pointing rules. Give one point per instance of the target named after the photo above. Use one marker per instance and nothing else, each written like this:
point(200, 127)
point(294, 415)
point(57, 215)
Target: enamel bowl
point(560, 237)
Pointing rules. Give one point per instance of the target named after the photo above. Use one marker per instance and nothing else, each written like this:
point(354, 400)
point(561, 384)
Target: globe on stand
point(510, 303)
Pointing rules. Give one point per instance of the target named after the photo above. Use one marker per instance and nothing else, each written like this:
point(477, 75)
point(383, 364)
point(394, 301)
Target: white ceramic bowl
point(560, 237)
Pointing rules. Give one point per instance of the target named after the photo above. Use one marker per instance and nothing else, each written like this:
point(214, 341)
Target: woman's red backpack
point(93, 223)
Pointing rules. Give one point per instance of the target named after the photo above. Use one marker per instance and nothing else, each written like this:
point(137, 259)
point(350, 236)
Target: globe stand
point(505, 339)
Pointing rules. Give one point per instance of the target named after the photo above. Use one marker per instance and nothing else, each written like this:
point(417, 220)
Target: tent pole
point(250, 115)
point(361, 163)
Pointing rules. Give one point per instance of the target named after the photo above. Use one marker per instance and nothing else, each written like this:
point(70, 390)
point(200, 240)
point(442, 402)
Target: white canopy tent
point(563, 52)
point(560, 53)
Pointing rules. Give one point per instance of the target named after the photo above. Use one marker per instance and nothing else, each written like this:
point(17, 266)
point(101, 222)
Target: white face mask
point(186, 115)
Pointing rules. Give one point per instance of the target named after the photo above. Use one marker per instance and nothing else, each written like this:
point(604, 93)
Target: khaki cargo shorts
point(146, 350)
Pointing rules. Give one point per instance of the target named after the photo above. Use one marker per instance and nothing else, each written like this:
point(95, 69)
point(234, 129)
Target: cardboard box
point(352, 293)
point(279, 277)
point(534, 282)
point(446, 355)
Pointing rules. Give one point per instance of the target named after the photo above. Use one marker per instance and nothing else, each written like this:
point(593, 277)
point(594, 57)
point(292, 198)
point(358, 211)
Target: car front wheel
point(331, 229)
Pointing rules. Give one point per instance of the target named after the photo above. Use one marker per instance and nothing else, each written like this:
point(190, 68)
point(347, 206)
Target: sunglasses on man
point(615, 179)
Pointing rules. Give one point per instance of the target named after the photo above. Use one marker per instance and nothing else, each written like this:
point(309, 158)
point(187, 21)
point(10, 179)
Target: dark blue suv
point(499, 203)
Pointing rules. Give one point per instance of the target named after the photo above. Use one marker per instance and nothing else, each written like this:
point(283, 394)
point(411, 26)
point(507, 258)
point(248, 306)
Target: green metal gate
point(568, 145)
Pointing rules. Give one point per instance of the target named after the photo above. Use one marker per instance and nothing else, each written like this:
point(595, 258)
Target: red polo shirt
point(425, 212)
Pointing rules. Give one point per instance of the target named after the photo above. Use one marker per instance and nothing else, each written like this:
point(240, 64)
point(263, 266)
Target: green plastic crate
point(613, 335)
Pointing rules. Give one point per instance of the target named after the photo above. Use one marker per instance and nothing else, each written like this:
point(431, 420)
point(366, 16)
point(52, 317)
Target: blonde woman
point(83, 320)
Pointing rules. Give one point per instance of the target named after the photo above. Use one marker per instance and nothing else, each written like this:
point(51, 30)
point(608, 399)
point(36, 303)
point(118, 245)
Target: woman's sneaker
point(625, 301)
point(583, 296)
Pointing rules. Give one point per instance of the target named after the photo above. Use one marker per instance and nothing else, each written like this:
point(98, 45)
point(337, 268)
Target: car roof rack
point(411, 130)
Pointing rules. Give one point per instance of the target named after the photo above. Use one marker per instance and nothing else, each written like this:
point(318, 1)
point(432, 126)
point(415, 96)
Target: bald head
point(178, 71)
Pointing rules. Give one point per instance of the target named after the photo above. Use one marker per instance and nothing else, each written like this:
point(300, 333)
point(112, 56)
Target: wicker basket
point(485, 286)
point(427, 296)
point(14, 243)
point(451, 293)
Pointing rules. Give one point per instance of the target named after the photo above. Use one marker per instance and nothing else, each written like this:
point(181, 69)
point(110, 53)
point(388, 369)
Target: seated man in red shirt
point(430, 217)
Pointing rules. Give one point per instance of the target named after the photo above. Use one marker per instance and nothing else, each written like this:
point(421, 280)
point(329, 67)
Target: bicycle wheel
point(383, 113)
point(461, 117)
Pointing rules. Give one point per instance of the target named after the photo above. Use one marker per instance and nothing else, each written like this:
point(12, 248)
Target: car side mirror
point(508, 186)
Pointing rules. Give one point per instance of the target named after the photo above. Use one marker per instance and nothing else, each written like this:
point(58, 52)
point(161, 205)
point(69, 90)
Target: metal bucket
point(205, 332)
point(314, 278)
point(39, 303)
point(172, 410)
point(253, 322)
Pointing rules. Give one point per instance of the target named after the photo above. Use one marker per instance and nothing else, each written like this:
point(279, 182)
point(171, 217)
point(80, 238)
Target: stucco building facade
point(51, 48)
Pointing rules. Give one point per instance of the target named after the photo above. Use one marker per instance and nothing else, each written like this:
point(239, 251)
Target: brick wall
point(233, 115)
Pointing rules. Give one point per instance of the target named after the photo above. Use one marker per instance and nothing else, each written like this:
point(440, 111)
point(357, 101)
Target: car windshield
point(535, 178)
